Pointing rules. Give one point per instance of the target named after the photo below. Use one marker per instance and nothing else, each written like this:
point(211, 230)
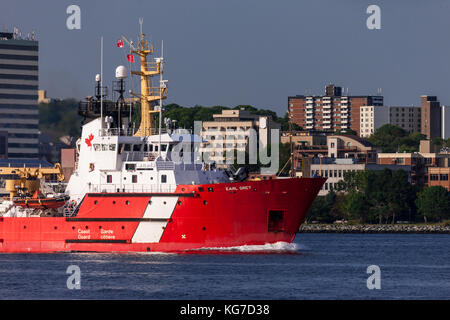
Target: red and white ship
point(128, 194)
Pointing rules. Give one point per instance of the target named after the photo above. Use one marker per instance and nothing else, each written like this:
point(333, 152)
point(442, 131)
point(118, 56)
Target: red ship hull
point(193, 217)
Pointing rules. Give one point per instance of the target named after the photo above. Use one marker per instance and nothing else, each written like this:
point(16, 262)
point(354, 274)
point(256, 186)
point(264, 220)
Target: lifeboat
point(38, 201)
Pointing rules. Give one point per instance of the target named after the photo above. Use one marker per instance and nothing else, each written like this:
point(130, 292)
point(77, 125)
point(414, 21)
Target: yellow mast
point(149, 95)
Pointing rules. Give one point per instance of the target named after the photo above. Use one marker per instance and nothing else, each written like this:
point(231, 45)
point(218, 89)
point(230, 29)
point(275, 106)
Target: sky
point(255, 52)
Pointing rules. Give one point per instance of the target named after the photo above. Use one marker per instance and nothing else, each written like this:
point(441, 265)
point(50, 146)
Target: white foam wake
point(284, 247)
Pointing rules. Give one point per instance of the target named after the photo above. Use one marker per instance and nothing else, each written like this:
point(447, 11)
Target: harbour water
point(315, 266)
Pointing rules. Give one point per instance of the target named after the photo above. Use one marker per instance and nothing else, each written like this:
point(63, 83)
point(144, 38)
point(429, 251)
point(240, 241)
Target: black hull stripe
point(94, 241)
point(109, 195)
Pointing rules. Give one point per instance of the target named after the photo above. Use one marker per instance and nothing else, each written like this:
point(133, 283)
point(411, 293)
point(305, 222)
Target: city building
point(232, 129)
point(334, 170)
point(68, 162)
point(305, 138)
point(3, 144)
point(420, 162)
point(330, 112)
point(19, 115)
point(445, 122)
point(373, 117)
point(309, 145)
point(438, 176)
point(42, 97)
point(431, 115)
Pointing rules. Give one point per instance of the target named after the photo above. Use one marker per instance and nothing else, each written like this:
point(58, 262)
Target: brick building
point(431, 115)
point(429, 156)
point(330, 112)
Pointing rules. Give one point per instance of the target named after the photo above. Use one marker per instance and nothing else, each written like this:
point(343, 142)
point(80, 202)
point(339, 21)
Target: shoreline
point(374, 228)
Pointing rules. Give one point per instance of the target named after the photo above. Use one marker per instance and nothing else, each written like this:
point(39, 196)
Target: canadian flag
point(119, 43)
point(130, 58)
point(89, 140)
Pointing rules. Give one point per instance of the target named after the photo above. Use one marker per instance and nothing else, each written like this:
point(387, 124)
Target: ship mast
point(149, 95)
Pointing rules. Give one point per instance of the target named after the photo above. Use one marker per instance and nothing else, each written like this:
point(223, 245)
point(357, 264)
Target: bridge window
point(150, 148)
point(127, 147)
point(164, 147)
point(112, 147)
point(137, 147)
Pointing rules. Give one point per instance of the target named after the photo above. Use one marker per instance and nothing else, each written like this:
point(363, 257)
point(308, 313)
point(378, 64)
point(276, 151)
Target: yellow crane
point(28, 178)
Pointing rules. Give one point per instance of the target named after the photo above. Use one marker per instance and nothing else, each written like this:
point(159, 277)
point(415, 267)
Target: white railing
point(117, 132)
point(133, 188)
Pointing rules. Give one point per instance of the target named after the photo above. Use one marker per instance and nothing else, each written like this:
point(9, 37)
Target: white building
point(373, 117)
point(19, 114)
point(445, 122)
point(232, 129)
point(334, 170)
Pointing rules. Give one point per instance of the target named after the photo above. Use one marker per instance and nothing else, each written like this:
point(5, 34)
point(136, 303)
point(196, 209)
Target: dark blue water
point(318, 266)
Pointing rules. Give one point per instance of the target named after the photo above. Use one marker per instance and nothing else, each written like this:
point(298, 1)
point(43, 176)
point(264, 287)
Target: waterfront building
point(420, 162)
point(19, 115)
point(334, 170)
point(331, 112)
point(438, 176)
point(316, 145)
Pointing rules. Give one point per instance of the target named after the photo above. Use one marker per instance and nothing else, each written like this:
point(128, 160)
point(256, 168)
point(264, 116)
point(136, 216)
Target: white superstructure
point(121, 163)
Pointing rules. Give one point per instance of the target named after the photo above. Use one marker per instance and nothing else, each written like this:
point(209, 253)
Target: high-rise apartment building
point(431, 115)
point(330, 112)
point(19, 115)
point(373, 117)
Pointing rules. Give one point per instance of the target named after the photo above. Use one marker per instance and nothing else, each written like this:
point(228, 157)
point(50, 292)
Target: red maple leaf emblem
point(88, 140)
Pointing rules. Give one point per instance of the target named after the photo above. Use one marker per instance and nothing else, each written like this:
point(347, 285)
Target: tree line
point(382, 197)
point(60, 117)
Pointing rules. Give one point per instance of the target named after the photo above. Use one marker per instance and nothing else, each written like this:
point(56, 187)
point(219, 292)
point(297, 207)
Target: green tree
point(356, 206)
point(346, 132)
point(433, 203)
point(388, 195)
point(321, 209)
point(391, 138)
point(60, 118)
